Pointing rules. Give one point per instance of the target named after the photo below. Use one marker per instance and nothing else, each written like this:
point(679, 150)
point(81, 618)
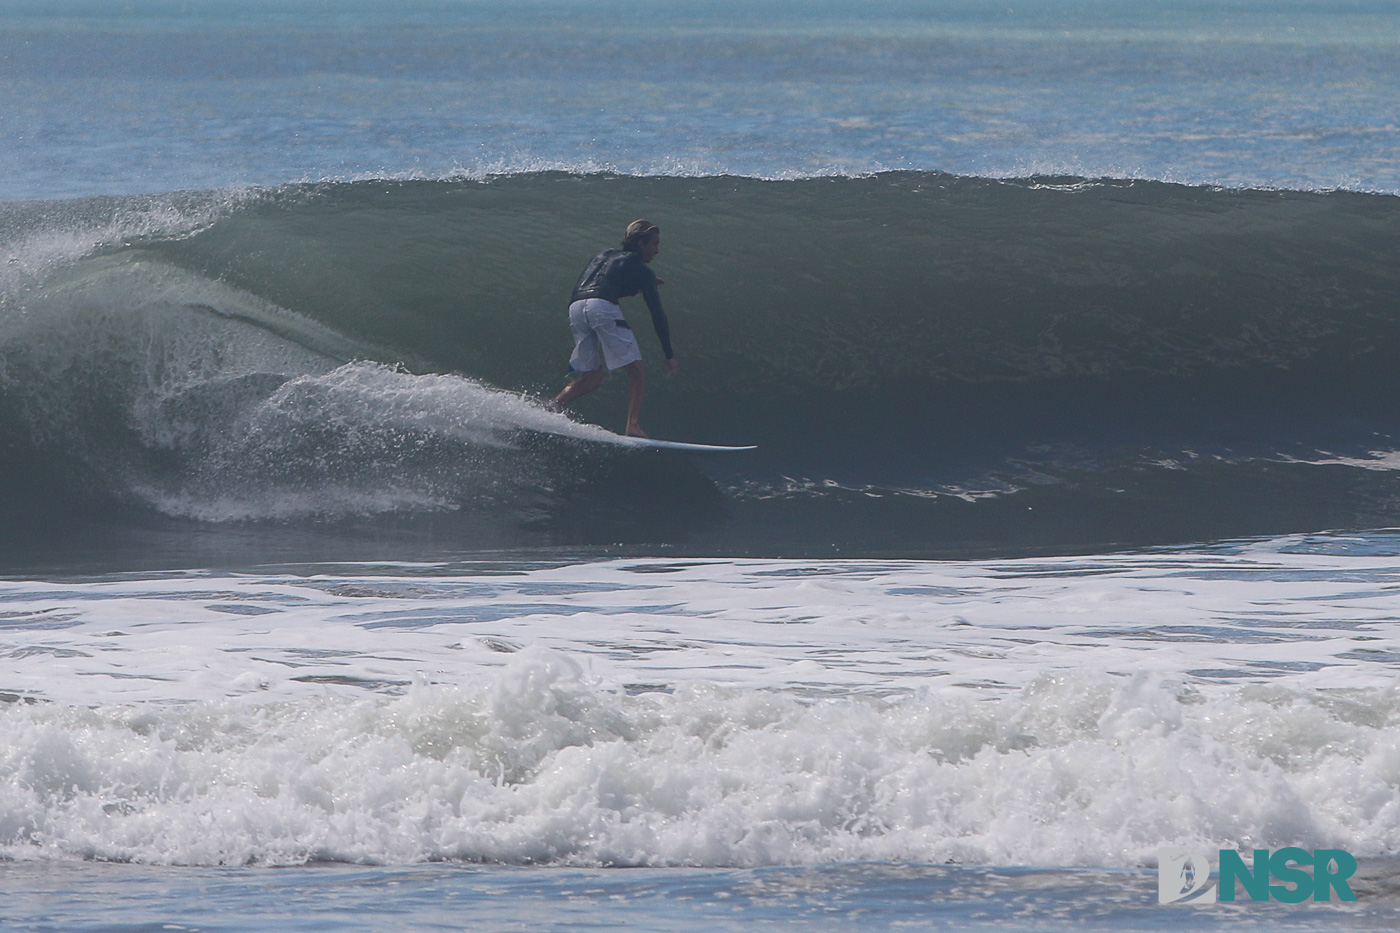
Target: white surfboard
point(624, 441)
point(594, 434)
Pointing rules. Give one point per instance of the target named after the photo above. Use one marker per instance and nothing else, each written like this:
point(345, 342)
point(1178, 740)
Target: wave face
point(927, 362)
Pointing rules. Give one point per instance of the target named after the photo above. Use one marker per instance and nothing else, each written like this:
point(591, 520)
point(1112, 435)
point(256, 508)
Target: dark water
point(929, 364)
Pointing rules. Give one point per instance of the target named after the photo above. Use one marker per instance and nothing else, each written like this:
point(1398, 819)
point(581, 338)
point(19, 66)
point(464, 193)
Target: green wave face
point(921, 358)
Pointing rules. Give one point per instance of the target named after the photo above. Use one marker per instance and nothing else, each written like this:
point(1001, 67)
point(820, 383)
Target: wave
point(927, 361)
point(540, 763)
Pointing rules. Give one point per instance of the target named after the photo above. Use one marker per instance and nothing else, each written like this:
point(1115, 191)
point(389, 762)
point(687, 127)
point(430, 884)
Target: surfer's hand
point(672, 367)
point(660, 281)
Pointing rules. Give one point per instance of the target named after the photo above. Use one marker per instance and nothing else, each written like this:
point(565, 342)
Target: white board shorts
point(601, 336)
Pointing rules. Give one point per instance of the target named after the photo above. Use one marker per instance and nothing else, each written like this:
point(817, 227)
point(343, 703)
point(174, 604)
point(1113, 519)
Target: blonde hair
point(639, 230)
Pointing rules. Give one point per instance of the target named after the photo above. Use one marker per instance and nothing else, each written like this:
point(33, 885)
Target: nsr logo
point(1183, 875)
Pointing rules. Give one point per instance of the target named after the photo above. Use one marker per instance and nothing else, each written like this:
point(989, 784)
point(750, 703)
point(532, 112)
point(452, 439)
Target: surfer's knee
point(590, 380)
point(582, 384)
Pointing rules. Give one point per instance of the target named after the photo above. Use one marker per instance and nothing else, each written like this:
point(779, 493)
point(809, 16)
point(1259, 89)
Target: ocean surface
point(1065, 329)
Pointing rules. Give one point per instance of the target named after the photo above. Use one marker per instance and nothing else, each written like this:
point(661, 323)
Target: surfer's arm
point(658, 316)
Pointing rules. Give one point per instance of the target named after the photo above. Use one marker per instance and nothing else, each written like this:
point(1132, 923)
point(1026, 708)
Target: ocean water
point(1066, 332)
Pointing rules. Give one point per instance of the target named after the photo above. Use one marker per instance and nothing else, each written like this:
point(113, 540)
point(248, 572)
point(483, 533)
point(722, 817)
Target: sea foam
point(707, 713)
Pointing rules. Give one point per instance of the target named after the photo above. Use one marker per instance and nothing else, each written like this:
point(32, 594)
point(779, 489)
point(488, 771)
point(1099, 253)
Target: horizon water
point(1065, 329)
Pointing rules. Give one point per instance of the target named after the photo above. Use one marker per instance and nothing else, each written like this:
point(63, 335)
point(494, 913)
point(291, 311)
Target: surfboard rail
point(657, 444)
point(593, 434)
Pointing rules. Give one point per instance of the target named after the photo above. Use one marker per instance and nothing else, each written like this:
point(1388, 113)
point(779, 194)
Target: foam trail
point(366, 439)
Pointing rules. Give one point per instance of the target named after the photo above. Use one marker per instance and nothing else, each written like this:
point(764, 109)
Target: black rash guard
point(615, 274)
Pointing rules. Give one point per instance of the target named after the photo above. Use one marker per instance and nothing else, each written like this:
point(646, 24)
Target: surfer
point(602, 336)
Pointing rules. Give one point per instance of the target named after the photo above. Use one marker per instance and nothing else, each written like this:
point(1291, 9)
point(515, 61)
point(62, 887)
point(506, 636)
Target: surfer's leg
point(636, 391)
point(585, 383)
point(589, 352)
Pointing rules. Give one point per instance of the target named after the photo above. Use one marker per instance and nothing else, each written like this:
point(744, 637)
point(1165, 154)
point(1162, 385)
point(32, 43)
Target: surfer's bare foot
point(553, 407)
point(634, 431)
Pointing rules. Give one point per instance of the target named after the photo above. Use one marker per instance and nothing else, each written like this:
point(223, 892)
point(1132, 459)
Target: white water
point(1078, 711)
point(204, 401)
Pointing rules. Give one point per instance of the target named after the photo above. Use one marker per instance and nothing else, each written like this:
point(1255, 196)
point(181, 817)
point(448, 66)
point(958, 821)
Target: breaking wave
point(926, 361)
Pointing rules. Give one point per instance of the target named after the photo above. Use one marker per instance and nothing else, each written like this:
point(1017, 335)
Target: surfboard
point(651, 442)
point(596, 435)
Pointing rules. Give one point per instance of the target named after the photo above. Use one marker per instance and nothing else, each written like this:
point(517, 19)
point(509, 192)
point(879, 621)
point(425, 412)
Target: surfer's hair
point(637, 231)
